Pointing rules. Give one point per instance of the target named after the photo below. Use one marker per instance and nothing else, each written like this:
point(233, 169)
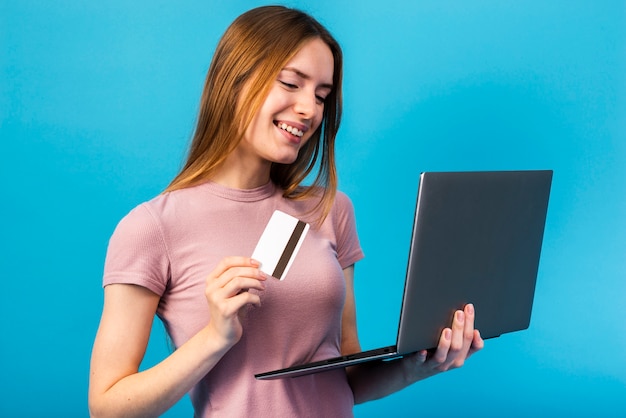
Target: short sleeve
point(137, 253)
point(348, 246)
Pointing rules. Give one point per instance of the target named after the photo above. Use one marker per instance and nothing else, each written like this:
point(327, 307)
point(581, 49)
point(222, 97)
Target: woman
point(269, 114)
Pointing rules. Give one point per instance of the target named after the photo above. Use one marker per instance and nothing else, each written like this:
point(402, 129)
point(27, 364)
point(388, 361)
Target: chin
point(286, 160)
point(288, 157)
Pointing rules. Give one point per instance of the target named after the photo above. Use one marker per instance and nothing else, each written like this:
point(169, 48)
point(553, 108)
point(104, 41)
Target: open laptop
point(477, 239)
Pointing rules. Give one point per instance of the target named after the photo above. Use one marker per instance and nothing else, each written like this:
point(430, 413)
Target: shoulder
point(344, 224)
point(162, 208)
point(342, 206)
point(343, 201)
point(139, 227)
point(145, 214)
point(138, 251)
point(148, 220)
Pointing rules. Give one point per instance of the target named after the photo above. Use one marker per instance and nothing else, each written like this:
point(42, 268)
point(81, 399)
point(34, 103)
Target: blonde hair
point(251, 53)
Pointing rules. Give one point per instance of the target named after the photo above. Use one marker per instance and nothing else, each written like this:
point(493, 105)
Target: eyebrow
point(306, 77)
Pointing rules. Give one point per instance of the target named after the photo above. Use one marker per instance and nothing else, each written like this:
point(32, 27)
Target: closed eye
point(318, 98)
point(288, 85)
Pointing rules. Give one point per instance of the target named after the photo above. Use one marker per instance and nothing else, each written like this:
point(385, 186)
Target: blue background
point(98, 102)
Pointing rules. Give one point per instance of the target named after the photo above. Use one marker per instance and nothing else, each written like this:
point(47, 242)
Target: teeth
point(290, 129)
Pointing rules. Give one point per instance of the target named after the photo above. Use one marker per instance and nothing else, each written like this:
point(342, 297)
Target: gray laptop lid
point(477, 238)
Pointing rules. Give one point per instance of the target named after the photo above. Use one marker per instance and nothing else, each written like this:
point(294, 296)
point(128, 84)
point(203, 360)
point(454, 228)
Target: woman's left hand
point(456, 345)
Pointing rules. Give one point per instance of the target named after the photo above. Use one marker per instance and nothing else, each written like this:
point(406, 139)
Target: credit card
point(279, 244)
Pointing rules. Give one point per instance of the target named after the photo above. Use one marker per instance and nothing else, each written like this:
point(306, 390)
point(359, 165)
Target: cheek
point(318, 120)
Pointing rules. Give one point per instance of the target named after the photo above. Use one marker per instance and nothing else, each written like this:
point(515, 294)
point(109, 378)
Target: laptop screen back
point(477, 239)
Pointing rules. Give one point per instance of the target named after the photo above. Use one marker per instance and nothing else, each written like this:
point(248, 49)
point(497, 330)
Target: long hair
point(251, 53)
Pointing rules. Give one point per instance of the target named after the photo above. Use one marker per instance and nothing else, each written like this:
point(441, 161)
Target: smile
point(293, 131)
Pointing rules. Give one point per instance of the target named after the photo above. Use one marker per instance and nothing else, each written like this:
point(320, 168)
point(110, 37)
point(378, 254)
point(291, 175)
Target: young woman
point(269, 114)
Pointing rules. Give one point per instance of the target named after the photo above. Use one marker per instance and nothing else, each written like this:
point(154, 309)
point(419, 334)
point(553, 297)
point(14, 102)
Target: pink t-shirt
point(171, 243)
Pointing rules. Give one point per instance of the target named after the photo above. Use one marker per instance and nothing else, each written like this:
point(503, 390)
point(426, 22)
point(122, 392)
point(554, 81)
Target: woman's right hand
point(227, 293)
point(118, 388)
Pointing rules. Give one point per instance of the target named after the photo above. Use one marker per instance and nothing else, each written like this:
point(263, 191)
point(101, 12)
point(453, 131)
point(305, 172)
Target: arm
point(375, 380)
point(116, 388)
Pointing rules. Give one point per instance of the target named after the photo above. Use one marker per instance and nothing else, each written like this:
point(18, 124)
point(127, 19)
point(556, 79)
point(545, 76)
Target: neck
point(240, 173)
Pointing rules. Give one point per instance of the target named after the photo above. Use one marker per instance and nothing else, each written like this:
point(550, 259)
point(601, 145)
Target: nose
point(306, 104)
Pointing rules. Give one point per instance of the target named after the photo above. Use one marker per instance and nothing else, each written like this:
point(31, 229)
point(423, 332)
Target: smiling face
point(249, 104)
point(293, 109)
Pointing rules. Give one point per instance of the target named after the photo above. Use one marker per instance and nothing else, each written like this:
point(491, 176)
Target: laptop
point(476, 238)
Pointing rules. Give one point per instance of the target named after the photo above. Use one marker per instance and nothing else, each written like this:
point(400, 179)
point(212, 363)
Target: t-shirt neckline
point(241, 195)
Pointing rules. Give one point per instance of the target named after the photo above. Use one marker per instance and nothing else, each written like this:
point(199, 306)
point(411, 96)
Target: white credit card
point(279, 244)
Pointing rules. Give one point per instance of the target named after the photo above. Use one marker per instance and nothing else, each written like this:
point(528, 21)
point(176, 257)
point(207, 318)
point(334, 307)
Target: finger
point(477, 343)
point(456, 355)
point(469, 324)
point(241, 284)
point(421, 356)
point(222, 291)
point(441, 354)
point(472, 335)
point(217, 295)
point(237, 302)
point(457, 342)
point(234, 272)
point(227, 307)
point(229, 262)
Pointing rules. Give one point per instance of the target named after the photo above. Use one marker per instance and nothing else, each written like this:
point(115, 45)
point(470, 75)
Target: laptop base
point(385, 353)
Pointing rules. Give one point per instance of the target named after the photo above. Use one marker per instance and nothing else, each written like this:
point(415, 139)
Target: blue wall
point(98, 100)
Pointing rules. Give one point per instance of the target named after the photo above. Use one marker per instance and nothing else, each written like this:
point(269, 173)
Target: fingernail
point(470, 309)
point(255, 263)
point(460, 316)
point(447, 334)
